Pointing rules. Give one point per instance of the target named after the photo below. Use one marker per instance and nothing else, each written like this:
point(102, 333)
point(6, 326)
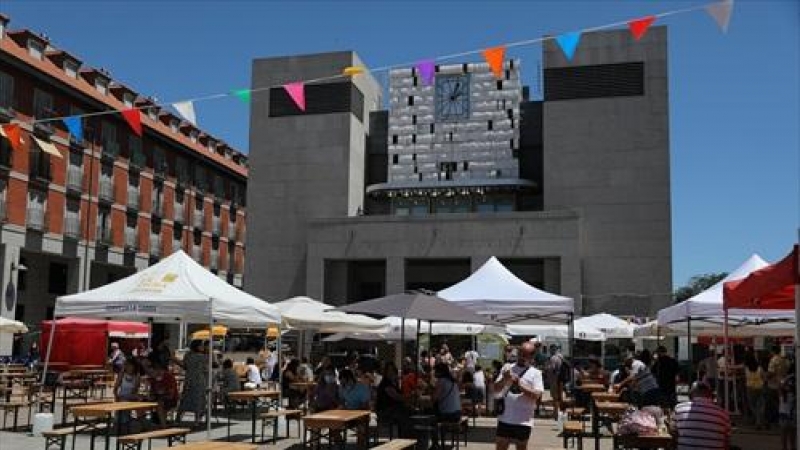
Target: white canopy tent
point(494, 291)
point(583, 332)
point(393, 333)
point(304, 313)
point(175, 289)
point(12, 326)
point(613, 327)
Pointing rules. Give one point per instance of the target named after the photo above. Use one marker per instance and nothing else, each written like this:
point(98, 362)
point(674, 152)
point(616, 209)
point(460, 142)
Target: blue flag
point(75, 127)
point(569, 43)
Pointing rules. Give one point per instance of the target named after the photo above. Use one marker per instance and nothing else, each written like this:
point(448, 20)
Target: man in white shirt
point(253, 375)
point(519, 387)
point(471, 359)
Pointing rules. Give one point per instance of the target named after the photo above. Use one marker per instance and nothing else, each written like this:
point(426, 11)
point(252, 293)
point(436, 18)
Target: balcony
point(213, 264)
point(35, 218)
point(216, 225)
point(176, 245)
point(2, 208)
point(105, 235)
point(72, 227)
point(75, 178)
point(130, 239)
point(155, 245)
point(197, 219)
point(133, 197)
point(156, 207)
point(110, 150)
point(106, 189)
point(197, 253)
point(178, 212)
point(232, 231)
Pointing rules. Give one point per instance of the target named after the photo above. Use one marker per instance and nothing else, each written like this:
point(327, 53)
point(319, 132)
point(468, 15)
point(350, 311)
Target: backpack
point(564, 371)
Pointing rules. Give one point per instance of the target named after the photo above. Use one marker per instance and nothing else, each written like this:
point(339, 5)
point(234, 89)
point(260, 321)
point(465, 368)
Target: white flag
point(186, 109)
point(721, 13)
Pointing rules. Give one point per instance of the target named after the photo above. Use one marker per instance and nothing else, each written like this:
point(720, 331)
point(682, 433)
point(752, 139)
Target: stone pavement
point(480, 438)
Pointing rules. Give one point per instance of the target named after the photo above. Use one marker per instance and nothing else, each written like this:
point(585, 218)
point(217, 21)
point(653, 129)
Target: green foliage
point(698, 284)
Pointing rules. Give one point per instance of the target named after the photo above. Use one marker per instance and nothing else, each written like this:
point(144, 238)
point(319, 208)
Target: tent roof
point(612, 326)
point(174, 288)
point(772, 287)
point(417, 305)
point(393, 324)
point(303, 313)
point(12, 326)
point(708, 304)
point(582, 332)
point(494, 290)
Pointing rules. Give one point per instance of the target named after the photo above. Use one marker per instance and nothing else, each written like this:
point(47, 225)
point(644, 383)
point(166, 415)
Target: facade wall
point(78, 194)
point(611, 163)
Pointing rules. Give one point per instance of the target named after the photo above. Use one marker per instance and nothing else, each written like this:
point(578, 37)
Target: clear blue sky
point(734, 99)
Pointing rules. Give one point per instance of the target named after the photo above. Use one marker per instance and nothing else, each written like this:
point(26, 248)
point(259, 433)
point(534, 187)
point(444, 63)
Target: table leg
point(595, 427)
point(109, 425)
point(63, 404)
point(253, 419)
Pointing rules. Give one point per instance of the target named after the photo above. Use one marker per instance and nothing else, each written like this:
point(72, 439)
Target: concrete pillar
point(395, 275)
point(10, 256)
point(552, 275)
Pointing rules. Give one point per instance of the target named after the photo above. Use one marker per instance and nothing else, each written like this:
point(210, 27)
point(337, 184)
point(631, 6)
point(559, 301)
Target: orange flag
point(12, 131)
point(495, 56)
point(134, 119)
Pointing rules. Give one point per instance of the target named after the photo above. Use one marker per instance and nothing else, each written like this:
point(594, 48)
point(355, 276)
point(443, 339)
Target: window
point(219, 186)
point(72, 218)
point(181, 170)
point(42, 104)
point(110, 143)
point(152, 113)
point(36, 208)
point(127, 99)
point(6, 90)
point(200, 178)
point(104, 224)
point(136, 154)
point(173, 125)
point(35, 48)
point(22, 277)
point(57, 278)
point(211, 145)
point(159, 161)
point(101, 84)
point(5, 153)
point(71, 68)
point(193, 135)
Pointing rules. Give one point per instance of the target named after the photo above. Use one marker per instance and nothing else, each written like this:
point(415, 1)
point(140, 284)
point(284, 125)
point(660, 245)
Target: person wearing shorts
point(519, 386)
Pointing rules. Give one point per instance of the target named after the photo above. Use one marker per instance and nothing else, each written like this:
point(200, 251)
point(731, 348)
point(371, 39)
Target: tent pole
point(402, 341)
point(797, 327)
point(210, 366)
point(416, 365)
point(727, 360)
point(689, 349)
point(47, 364)
point(571, 346)
point(279, 365)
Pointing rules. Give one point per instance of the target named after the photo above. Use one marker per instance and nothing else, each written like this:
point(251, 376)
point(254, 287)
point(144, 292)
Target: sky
point(734, 98)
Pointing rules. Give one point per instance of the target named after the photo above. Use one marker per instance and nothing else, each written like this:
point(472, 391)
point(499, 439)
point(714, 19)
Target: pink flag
point(297, 91)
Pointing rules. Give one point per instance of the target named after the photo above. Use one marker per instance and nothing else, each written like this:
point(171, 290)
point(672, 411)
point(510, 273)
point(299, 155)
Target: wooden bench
point(573, 430)
point(134, 441)
point(273, 416)
point(396, 444)
point(58, 436)
point(12, 406)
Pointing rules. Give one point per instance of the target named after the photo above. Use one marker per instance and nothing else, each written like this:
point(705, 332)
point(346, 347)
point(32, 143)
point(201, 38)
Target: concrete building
point(114, 202)
point(572, 192)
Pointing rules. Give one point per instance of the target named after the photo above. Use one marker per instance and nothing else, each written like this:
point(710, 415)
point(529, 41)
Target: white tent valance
point(303, 313)
point(494, 290)
point(393, 324)
point(582, 332)
point(176, 288)
point(612, 327)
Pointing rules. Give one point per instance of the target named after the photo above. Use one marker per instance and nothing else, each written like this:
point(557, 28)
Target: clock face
point(452, 97)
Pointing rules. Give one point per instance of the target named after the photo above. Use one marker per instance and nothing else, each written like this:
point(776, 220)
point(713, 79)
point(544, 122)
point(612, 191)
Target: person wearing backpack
point(558, 372)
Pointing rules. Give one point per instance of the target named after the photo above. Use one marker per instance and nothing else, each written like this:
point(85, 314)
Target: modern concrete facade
point(587, 215)
point(113, 202)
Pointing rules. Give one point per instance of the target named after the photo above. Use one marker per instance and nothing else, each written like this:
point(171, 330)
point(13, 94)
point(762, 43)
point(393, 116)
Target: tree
point(698, 284)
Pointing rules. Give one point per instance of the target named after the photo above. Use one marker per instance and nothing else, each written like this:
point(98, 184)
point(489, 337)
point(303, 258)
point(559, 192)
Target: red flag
point(639, 26)
point(12, 131)
point(134, 119)
point(494, 56)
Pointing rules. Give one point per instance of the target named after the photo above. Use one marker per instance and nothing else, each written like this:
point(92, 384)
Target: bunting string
point(719, 11)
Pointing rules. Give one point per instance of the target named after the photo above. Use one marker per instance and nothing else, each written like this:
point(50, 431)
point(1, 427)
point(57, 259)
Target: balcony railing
point(156, 207)
point(197, 253)
point(232, 231)
point(197, 219)
point(133, 197)
point(72, 227)
point(2, 208)
point(105, 235)
point(216, 225)
point(35, 218)
point(176, 245)
point(213, 264)
point(179, 212)
point(75, 177)
point(130, 238)
point(106, 189)
point(155, 245)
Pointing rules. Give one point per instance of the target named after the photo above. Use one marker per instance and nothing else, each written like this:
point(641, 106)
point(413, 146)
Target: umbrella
point(303, 313)
point(417, 305)
point(12, 326)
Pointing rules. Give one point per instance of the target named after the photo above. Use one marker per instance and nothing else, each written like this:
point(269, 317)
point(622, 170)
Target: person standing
point(195, 366)
point(554, 379)
point(666, 371)
point(519, 388)
point(776, 371)
point(471, 359)
point(700, 423)
point(754, 377)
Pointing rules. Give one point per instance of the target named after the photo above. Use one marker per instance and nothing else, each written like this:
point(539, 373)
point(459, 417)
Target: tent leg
point(280, 367)
point(689, 349)
point(726, 358)
point(210, 368)
point(46, 365)
point(572, 345)
point(416, 368)
point(402, 341)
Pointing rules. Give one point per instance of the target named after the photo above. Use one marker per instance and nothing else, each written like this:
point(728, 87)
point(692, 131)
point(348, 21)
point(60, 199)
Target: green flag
point(243, 94)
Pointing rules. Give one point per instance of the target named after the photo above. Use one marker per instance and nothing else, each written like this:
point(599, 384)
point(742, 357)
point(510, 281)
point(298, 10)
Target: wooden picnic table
point(612, 410)
point(107, 412)
point(252, 397)
point(215, 445)
point(592, 387)
point(605, 396)
point(334, 420)
point(661, 440)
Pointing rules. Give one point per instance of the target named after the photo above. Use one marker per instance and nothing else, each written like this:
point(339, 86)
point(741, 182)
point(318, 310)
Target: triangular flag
point(134, 119)
point(427, 70)
point(721, 13)
point(186, 110)
point(14, 136)
point(569, 43)
point(350, 71)
point(298, 93)
point(243, 95)
point(494, 56)
point(75, 127)
point(47, 147)
point(639, 26)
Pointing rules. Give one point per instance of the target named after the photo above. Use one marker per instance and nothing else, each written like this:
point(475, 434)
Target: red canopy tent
point(772, 287)
point(85, 341)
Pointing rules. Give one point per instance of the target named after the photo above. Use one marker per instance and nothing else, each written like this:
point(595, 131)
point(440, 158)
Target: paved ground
point(480, 438)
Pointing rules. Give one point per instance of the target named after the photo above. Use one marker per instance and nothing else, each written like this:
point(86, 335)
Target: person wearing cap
point(700, 423)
